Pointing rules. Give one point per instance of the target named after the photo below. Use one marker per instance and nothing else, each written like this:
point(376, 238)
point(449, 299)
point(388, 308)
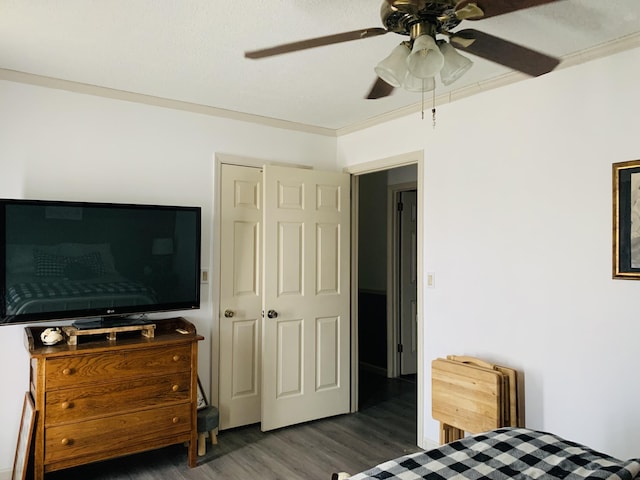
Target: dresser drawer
point(89, 401)
point(122, 364)
point(116, 435)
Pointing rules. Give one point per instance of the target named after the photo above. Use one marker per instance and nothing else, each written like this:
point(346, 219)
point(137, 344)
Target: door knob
point(228, 313)
point(272, 314)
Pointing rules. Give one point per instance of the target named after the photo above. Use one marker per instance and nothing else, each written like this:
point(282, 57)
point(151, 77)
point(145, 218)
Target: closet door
point(240, 295)
point(306, 323)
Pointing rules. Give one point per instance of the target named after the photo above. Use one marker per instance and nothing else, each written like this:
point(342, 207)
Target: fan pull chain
point(422, 99)
point(433, 108)
point(433, 104)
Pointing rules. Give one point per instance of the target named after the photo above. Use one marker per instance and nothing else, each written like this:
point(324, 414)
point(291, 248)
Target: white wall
point(517, 228)
point(60, 145)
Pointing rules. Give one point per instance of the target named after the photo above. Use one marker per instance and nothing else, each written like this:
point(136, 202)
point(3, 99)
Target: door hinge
point(400, 206)
point(400, 348)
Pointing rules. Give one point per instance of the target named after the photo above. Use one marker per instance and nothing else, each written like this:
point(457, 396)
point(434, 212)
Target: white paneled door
point(408, 276)
point(240, 296)
point(306, 360)
point(300, 349)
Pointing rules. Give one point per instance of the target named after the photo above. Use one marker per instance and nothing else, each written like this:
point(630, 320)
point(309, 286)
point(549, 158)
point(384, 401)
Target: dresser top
point(167, 331)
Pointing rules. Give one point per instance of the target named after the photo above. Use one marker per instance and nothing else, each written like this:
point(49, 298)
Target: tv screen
point(77, 260)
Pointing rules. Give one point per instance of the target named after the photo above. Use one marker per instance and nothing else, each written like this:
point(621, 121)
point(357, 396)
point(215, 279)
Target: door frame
point(410, 158)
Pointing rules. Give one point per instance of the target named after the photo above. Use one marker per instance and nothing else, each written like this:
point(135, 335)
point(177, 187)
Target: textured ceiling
point(192, 50)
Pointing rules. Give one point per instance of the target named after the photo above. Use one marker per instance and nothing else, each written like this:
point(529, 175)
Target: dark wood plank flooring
point(384, 428)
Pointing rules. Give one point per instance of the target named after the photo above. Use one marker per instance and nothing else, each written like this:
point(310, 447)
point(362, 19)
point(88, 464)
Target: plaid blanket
point(20, 295)
point(506, 453)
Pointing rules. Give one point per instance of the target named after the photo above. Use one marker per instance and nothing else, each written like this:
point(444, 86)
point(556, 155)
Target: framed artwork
point(21, 460)
point(626, 220)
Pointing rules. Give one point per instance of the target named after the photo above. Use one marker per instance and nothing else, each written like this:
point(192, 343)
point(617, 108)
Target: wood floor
point(384, 428)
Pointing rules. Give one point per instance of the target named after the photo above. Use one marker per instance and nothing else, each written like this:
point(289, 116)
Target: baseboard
point(428, 444)
point(5, 474)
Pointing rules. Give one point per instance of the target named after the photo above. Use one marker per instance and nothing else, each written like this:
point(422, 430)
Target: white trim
point(385, 163)
point(241, 161)
point(422, 373)
point(599, 51)
point(428, 444)
point(355, 352)
point(98, 91)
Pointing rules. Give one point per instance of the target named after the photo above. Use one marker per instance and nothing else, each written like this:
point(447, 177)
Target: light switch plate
point(431, 280)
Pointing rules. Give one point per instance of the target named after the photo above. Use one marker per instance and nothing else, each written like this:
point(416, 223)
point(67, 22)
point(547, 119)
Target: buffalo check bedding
point(27, 297)
point(506, 453)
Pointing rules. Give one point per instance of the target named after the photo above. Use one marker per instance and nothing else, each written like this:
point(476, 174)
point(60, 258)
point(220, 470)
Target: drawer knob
point(65, 405)
point(67, 371)
point(175, 388)
point(176, 358)
point(65, 441)
point(175, 419)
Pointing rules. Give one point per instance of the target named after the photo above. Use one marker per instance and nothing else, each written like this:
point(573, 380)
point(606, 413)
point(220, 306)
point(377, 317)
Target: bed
point(68, 277)
point(29, 296)
point(504, 453)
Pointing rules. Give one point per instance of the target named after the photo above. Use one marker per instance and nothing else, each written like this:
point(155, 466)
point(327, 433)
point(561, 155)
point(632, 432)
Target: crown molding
point(95, 90)
point(616, 46)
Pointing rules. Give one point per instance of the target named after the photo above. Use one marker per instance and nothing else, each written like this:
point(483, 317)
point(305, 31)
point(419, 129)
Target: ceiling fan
point(418, 59)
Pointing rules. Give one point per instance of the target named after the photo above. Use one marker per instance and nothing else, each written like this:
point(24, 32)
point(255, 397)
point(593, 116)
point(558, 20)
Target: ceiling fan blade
point(379, 89)
point(316, 42)
point(492, 8)
point(503, 52)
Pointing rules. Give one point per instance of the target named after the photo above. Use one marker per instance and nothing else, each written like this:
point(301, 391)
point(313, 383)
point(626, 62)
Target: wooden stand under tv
point(104, 398)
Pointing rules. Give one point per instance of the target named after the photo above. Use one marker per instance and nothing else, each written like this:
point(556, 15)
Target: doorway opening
point(387, 292)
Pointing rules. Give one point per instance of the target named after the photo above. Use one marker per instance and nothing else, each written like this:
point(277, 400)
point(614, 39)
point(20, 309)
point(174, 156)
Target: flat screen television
point(96, 262)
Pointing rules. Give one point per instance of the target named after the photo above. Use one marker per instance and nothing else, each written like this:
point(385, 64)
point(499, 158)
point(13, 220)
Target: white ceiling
point(192, 50)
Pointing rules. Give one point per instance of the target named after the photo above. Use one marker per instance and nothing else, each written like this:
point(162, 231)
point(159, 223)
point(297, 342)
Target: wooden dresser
point(105, 398)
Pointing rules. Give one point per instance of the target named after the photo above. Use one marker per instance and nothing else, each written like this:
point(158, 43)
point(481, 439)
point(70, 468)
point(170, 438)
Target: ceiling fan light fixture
point(412, 83)
point(455, 65)
point(394, 68)
point(425, 59)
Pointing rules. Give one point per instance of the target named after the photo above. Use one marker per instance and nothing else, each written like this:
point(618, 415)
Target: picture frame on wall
point(25, 434)
point(626, 220)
